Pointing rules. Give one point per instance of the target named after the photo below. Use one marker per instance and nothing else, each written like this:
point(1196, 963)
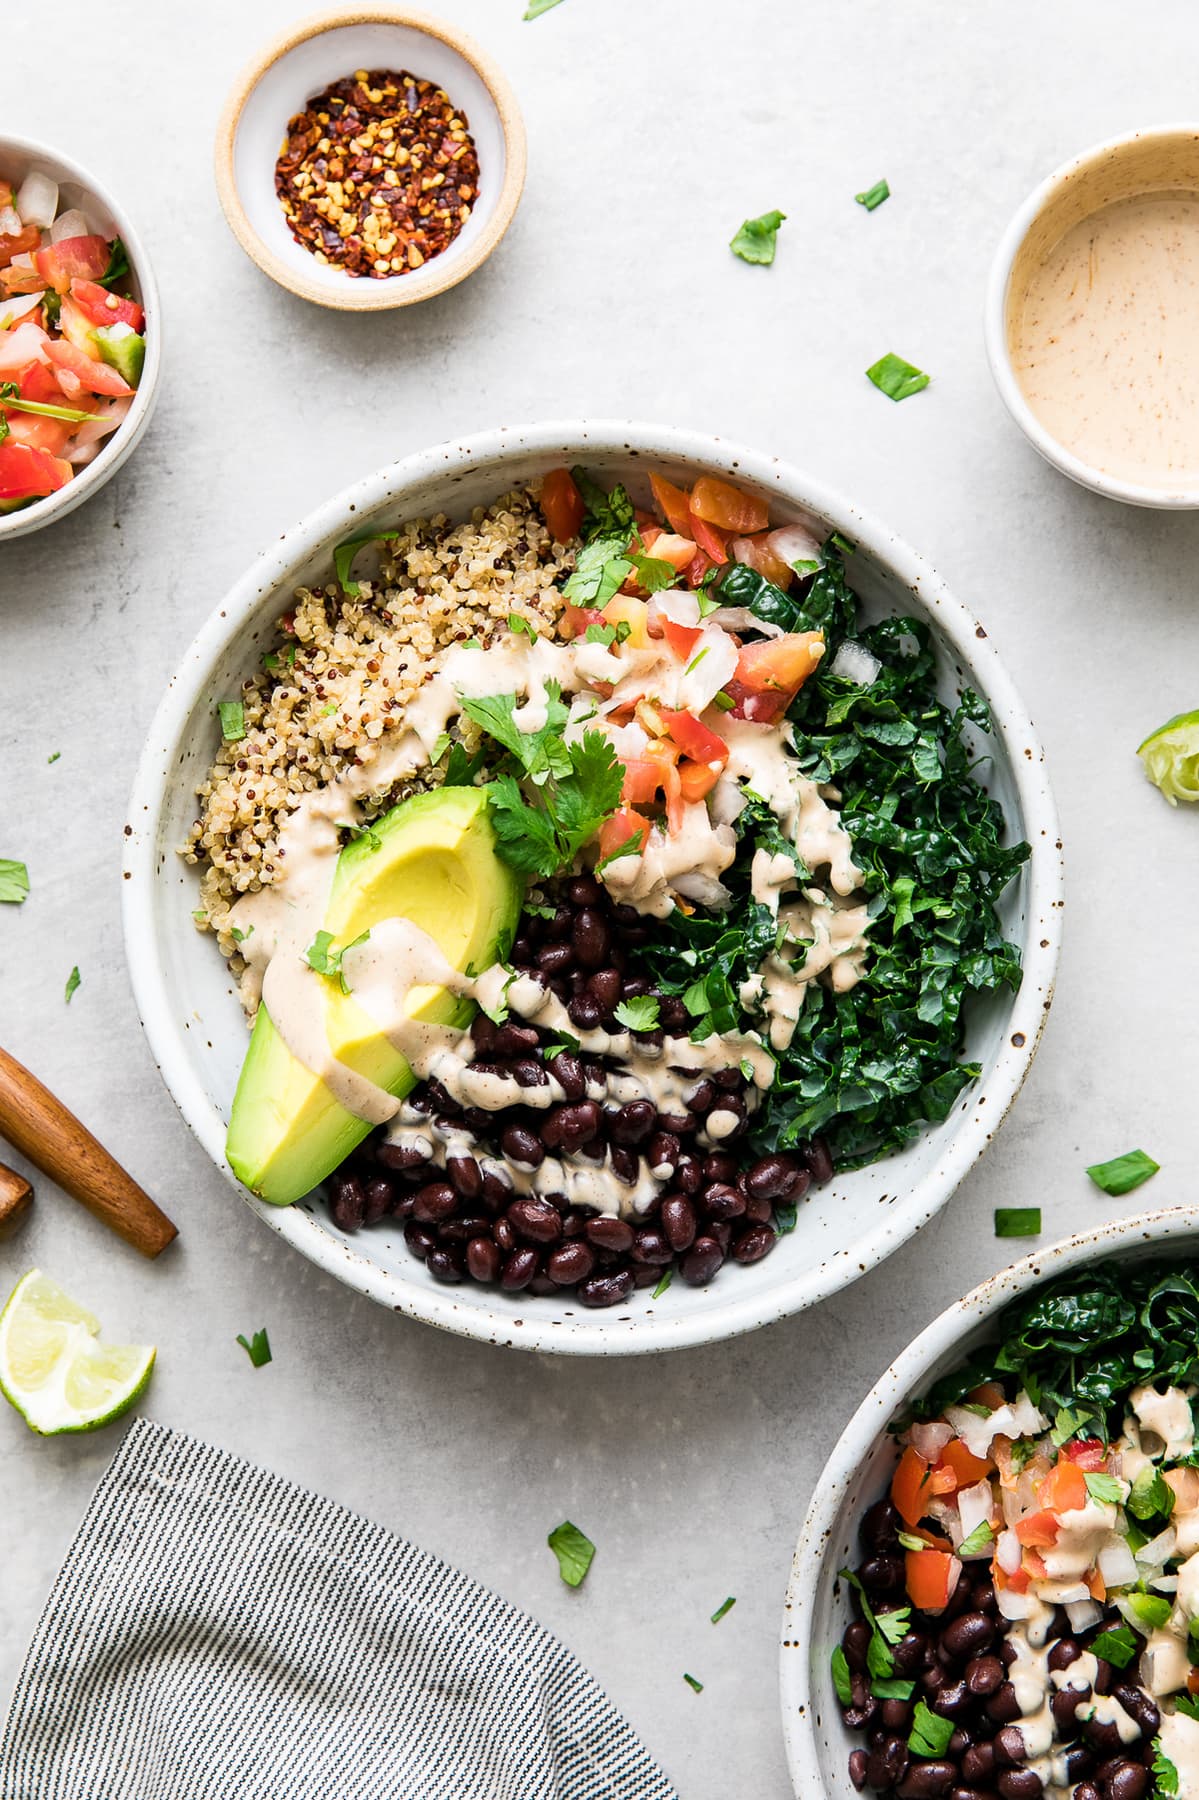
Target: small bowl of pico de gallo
point(79, 336)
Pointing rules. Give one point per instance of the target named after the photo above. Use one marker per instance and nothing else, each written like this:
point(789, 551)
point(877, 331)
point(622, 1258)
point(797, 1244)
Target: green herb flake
point(574, 1552)
point(54, 756)
point(1017, 1221)
point(723, 701)
point(666, 1278)
point(1118, 1646)
point(696, 1686)
point(118, 264)
point(321, 956)
point(1123, 1173)
point(756, 240)
point(343, 559)
point(521, 626)
point(632, 846)
point(1165, 1774)
point(977, 1541)
point(930, 1734)
point(886, 1629)
point(895, 378)
point(841, 1677)
point(874, 196)
point(73, 981)
point(638, 1014)
point(257, 1348)
point(726, 1606)
point(1150, 1494)
point(1104, 1487)
point(14, 882)
point(1149, 1610)
point(233, 720)
point(535, 8)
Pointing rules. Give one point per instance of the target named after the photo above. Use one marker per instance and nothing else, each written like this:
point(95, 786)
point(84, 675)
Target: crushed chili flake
point(378, 174)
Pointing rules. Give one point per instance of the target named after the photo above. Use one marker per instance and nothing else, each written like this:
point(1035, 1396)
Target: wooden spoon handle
point(16, 1197)
point(42, 1129)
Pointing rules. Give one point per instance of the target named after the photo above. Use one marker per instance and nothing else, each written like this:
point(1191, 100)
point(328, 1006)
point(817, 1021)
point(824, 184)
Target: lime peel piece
point(53, 1368)
point(1171, 757)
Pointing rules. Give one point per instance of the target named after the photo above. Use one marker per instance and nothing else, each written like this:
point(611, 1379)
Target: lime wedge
point(53, 1367)
point(1171, 757)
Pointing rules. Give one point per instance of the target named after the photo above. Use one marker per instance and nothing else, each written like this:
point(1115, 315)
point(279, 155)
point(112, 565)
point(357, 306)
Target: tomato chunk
point(96, 377)
point(1064, 1489)
point(83, 257)
point(102, 308)
point(757, 554)
point(709, 539)
point(696, 780)
point(1038, 1528)
point(673, 503)
point(727, 507)
point(561, 503)
point(908, 1492)
point(622, 828)
point(929, 1574)
point(681, 638)
point(968, 1468)
point(27, 473)
point(1089, 1453)
point(19, 243)
point(679, 552)
point(694, 738)
point(770, 674)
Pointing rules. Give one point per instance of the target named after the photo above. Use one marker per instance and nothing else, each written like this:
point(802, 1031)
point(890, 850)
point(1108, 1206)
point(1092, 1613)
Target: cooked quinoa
point(336, 684)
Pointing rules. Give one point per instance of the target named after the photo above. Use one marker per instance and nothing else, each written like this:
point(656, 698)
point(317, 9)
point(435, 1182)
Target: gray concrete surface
point(655, 128)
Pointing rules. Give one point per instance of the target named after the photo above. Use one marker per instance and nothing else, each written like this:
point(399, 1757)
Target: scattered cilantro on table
point(756, 240)
point(257, 1348)
point(1017, 1221)
point(1123, 1173)
point(14, 882)
point(74, 980)
point(874, 196)
point(574, 1551)
point(897, 379)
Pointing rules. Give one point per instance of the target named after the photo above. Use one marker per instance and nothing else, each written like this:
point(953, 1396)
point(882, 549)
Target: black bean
point(460, 1230)
point(347, 1202)
point(625, 1164)
point(446, 1263)
point(687, 1177)
point(717, 1166)
point(968, 1634)
point(512, 1039)
point(934, 1679)
point(1079, 1762)
point(632, 1124)
point(728, 1079)
point(608, 1289)
point(380, 1194)
point(701, 1262)
point(1105, 1676)
point(1086, 1790)
point(585, 1011)
point(720, 1202)
point(504, 1235)
point(855, 1644)
point(954, 1700)
point(483, 1259)
point(567, 1071)
point(555, 959)
point(1102, 1735)
point(888, 1764)
point(896, 1715)
point(1139, 1706)
point(1010, 1747)
point(465, 1176)
point(535, 1220)
point(879, 1529)
point(1127, 1781)
point(541, 1284)
point(403, 1205)
point(604, 987)
point(1065, 1704)
point(882, 1574)
point(519, 1268)
point(754, 1244)
point(926, 1781)
point(984, 1597)
point(609, 1233)
point(983, 1675)
point(522, 1146)
point(978, 1764)
point(677, 1216)
point(570, 1126)
point(1003, 1705)
point(652, 1246)
point(400, 1156)
point(819, 1160)
point(434, 1202)
point(419, 1239)
point(1020, 1784)
point(771, 1177)
point(722, 1232)
point(497, 1188)
point(589, 938)
point(662, 1153)
point(1063, 1653)
point(529, 1074)
point(570, 1263)
point(857, 1768)
point(909, 1654)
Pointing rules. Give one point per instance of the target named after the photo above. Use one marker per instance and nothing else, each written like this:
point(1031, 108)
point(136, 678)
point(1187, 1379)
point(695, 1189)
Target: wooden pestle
point(43, 1130)
point(16, 1197)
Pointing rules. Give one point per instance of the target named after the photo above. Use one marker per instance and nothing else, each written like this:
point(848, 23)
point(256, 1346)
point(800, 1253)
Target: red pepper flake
point(378, 174)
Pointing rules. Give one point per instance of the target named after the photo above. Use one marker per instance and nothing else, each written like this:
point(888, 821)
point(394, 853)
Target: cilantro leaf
point(1151, 1494)
point(118, 264)
point(233, 720)
point(1118, 1646)
point(535, 8)
point(14, 882)
point(638, 1014)
point(841, 1676)
point(343, 559)
point(654, 573)
point(874, 196)
point(755, 241)
point(257, 1348)
point(601, 569)
point(977, 1540)
point(886, 1629)
point(1104, 1488)
point(1165, 1774)
point(580, 788)
point(574, 1552)
point(326, 960)
point(1123, 1173)
point(74, 980)
point(930, 1733)
point(897, 379)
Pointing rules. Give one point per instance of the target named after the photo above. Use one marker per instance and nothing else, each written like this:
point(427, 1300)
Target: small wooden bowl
point(306, 59)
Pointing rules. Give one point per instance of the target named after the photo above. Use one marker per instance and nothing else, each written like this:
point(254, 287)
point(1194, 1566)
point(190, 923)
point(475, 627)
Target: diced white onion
point(705, 890)
point(37, 199)
point(1082, 1613)
point(101, 423)
point(675, 604)
point(955, 1575)
point(68, 225)
point(853, 662)
point(726, 802)
point(1062, 1593)
point(975, 1505)
point(83, 453)
point(1158, 1551)
point(1012, 1605)
point(928, 1441)
point(739, 618)
point(10, 221)
point(1008, 1552)
point(1164, 1584)
point(1117, 1564)
point(793, 543)
point(17, 307)
point(21, 346)
point(712, 666)
point(1028, 1421)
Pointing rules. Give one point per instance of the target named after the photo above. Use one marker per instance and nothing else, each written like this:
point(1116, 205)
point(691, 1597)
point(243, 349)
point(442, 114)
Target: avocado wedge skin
point(432, 860)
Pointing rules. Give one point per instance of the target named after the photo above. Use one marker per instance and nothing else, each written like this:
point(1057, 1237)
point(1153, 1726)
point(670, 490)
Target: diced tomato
point(27, 473)
point(697, 780)
point(968, 1468)
point(96, 377)
point(1193, 1682)
point(681, 638)
point(1037, 1528)
point(623, 609)
point(708, 538)
point(727, 507)
point(694, 738)
point(773, 672)
point(619, 829)
point(576, 619)
point(1064, 1489)
point(697, 568)
point(679, 552)
point(988, 1394)
point(942, 1480)
point(908, 1492)
point(642, 779)
point(40, 433)
point(1018, 1581)
point(36, 382)
point(561, 502)
point(1034, 1564)
point(673, 503)
point(83, 258)
point(929, 1573)
point(103, 308)
point(1089, 1453)
point(20, 243)
point(757, 554)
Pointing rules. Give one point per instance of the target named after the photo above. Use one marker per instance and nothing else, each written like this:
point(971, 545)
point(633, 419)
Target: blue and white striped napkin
point(217, 1633)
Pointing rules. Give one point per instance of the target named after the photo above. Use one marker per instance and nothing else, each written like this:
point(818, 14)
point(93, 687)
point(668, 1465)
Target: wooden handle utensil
point(42, 1129)
point(16, 1197)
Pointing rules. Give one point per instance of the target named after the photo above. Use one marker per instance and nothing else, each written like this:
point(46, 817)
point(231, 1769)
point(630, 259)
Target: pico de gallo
point(72, 340)
point(1027, 1611)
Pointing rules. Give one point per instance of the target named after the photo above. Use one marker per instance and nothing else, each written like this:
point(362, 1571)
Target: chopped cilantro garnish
point(239, 936)
point(522, 627)
point(896, 378)
point(574, 1552)
point(886, 1629)
point(1123, 1173)
point(725, 1606)
point(601, 569)
point(14, 881)
point(841, 1677)
point(692, 1683)
point(1104, 1487)
point(1117, 1646)
point(638, 1014)
point(930, 1733)
point(118, 264)
point(1151, 1494)
point(664, 1282)
point(632, 846)
point(1017, 1221)
point(874, 196)
point(233, 720)
point(755, 241)
point(321, 956)
point(535, 8)
point(654, 573)
point(343, 559)
point(54, 756)
point(257, 1348)
point(1165, 1774)
point(73, 981)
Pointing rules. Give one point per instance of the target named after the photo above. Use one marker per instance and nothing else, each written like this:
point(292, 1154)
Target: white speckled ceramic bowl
point(304, 61)
point(859, 1470)
point(195, 1025)
point(81, 189)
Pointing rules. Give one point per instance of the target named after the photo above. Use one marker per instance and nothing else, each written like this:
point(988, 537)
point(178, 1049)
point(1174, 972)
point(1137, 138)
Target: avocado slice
point(431, 859)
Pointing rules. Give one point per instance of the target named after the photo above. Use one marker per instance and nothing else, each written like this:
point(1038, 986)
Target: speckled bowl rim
point(443, 272)
point(908, 1376)
point(614, 1333)
point(128, 435)
point(995, 333)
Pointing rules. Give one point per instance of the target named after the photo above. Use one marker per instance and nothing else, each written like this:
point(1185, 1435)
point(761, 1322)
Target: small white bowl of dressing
point(1092, 318)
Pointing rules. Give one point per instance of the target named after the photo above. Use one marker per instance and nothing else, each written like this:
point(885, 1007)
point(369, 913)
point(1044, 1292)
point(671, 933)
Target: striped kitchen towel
point(217, 1633)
